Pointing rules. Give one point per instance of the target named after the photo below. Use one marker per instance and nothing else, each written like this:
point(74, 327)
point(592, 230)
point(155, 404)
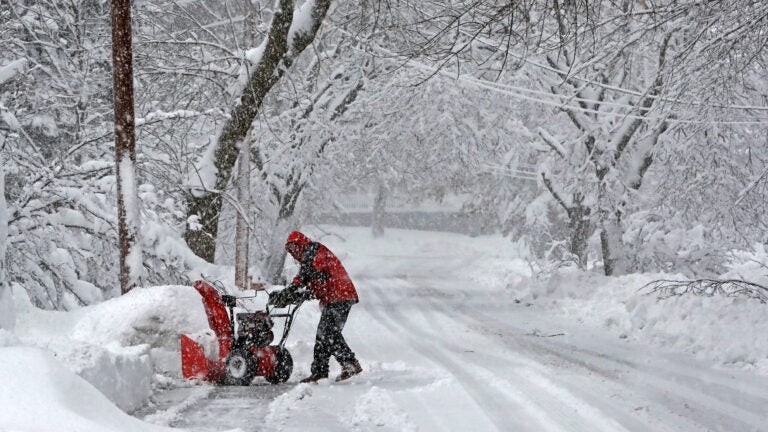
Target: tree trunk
point(580, 224)
point(276, 255)
point(580, 227)
point(379, 210)
point(242, 228)
point(125, 146)
point(273, 266)
point(205, 202)
point(7, 313)
point(611, 244)
point(288, 196)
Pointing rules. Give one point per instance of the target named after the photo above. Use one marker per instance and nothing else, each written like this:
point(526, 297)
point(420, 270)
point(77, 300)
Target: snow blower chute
point(242, 355)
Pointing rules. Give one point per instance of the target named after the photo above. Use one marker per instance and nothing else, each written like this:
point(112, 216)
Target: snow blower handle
point(278, 299)
point(230, 302)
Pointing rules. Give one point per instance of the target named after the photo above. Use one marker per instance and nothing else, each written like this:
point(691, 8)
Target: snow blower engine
point(255, 328)
point(244, 354)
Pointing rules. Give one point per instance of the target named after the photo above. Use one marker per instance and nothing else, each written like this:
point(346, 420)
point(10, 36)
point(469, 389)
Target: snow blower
point(244, 354)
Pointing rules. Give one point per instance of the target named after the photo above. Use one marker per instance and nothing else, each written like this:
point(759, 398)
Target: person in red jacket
point(322, 276)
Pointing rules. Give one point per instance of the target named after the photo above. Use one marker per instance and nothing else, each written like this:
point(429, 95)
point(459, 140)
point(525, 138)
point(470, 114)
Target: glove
point(278, 299)
point(301, 296)
point(290, 295)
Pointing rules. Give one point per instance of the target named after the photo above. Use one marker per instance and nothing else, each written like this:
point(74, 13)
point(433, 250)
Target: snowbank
point(40, 394)
point(118, 345)
point(726, 330)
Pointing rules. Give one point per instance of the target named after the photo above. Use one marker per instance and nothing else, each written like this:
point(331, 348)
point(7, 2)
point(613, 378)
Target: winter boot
point(349, 370)
point(313, 378)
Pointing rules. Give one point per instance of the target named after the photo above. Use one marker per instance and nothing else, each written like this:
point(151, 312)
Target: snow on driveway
point(442, 353)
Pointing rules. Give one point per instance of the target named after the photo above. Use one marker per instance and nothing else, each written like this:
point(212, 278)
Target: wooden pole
point(125, 140)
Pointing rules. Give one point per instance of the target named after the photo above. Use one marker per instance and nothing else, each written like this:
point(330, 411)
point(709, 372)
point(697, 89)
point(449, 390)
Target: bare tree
point(282, 46)
point(295, 144)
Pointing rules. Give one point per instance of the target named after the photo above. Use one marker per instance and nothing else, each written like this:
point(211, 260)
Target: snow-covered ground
point(453, 333)
point(79, 371)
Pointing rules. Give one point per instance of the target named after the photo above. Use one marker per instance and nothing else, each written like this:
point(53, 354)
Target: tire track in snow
point(572, 396)
point(569, 411)
point(676, 390)
point(686, 396)
point(551, 407)
point(501, 414)
point(713, 383)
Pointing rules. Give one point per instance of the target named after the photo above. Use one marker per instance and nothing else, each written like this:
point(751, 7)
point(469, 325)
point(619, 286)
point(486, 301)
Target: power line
point(510, 92)
point(560, 72)
point(515, 90)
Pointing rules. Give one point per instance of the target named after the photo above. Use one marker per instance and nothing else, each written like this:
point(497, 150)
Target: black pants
point(329, 341)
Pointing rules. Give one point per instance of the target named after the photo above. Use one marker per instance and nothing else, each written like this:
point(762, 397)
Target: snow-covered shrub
point(56, 130)
point(750, 265)
point(61, 242)
point(65, 254)
point(670, 245)
point(56, 133)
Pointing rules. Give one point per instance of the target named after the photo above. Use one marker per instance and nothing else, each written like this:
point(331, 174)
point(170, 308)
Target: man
point(322, 276)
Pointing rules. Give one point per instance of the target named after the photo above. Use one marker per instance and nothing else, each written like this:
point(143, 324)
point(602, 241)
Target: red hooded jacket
point(321, 272)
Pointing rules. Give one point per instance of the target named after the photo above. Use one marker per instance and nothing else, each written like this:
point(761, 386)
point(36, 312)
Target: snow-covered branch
point(664, 289)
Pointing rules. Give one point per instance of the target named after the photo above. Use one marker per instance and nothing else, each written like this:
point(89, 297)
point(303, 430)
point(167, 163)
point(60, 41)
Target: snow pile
point(152, 316)
point(34, 381)
point(281, 408)
point(122, 374)
point(727, 330)
point(376, 410)
point(117, 345)
point(7, 338)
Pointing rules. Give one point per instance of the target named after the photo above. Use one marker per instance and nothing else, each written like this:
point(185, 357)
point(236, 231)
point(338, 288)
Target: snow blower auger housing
point(244, 354)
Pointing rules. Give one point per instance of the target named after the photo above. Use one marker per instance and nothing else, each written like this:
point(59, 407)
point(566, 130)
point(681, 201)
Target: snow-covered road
point(442, 353)
point(517, 377)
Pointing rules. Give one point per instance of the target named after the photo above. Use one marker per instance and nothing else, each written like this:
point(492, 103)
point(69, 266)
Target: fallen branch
point(538, 333)
point(708, 287)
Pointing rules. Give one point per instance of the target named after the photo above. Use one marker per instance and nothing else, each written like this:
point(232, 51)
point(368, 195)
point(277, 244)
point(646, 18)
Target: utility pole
point(125, 146)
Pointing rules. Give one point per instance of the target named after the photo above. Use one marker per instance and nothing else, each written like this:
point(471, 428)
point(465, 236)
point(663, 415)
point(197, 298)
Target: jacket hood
point(299, 240)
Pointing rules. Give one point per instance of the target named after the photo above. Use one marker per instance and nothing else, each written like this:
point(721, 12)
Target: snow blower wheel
point(283, 368)
point(240, 367)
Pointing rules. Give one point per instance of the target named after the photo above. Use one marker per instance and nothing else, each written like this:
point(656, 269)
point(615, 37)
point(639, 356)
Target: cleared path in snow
point(441, 354)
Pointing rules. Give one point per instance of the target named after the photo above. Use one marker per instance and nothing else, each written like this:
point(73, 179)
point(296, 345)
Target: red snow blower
point(242, 355)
